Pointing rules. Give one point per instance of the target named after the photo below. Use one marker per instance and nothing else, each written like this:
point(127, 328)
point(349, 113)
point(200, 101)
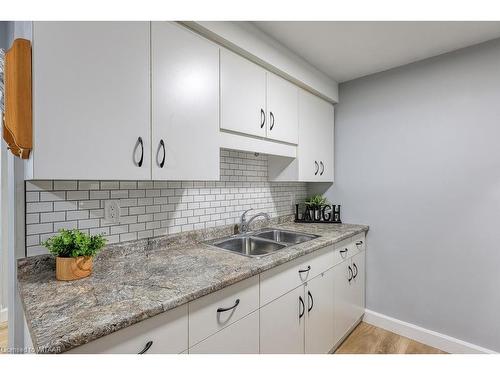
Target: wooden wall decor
point(17, 121)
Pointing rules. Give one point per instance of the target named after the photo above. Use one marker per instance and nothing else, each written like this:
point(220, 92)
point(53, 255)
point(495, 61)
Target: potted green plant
point(74, 252)
point(315, 203)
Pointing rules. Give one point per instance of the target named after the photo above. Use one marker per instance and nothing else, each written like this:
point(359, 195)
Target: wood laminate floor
point(368, 339)
point(3, 336)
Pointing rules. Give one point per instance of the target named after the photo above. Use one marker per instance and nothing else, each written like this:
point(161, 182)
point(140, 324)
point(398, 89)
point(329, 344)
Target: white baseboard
point(435, 339)
point(3, 315)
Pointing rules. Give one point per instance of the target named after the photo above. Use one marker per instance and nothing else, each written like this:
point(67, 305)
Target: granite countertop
point(136, 280)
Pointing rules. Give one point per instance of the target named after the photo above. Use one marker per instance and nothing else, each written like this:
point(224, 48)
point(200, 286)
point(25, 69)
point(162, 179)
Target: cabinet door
point(185, 104)
point(358, 285)
point(326, 143)
point(166, 333)
point(315, 150)
point(282, 324)
point(243, 95)
point(241, 337)
point(319, 326)
point(343, 315)
point(91, 100)
point(283, 109)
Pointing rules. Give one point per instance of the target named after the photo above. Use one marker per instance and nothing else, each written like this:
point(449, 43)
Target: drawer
point(286, 277)
point(167, 331)
point(241, 337)
point(349, 247)
point(205, 317)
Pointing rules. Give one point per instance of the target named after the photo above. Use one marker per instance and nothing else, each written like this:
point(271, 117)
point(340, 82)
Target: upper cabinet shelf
point(155, 100)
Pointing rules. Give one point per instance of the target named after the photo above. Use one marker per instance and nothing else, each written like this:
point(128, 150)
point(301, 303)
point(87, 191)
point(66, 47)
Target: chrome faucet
point(245, 224)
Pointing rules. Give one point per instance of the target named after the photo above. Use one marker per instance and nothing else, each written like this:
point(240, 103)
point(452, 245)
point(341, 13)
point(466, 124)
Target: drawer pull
point(343, 251)
point(356, 269)
point(149, 344)
point(301, 314)
point(359, 243)
point(350, 275)
point(310, 298)
point(306, 270)
point(223, 309)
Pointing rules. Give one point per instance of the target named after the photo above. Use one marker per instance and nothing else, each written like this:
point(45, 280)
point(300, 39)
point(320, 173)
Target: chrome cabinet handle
point(343, 251)
point(349, 278)
point(139, 142)
point(310, 298)
point(301, 314)
point(306, 270)
point(272, 120)
point(162, 145)
point(262, 118)
point(359, 243)
point(317, 167)
point(222, 309)
point(322, 168)
point(148, 345)
point(356, 269)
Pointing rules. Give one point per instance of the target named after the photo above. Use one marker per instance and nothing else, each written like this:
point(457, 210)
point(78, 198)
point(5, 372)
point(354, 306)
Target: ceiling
point(349, 49)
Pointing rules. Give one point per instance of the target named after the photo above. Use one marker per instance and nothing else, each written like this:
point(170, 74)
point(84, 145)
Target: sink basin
point(249, 246)
point(284, 236)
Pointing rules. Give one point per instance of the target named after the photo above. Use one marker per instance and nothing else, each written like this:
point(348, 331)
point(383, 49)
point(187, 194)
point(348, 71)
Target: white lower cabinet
point(166, 333)
point(304, 306)
point(282, 324)
point(319, 325)
point(218, 310)
point(349, 297)
point(358, 285)
point(342, 300)
point(241, 337)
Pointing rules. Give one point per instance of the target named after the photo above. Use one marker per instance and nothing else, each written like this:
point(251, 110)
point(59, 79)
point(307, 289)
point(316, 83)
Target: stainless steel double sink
point(261, 243)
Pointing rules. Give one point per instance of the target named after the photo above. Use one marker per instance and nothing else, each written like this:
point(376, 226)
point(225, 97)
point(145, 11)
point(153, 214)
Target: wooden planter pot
point(73, 268)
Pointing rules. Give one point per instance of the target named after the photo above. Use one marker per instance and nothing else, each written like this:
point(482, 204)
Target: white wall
point(418, 159)
point(157, 208)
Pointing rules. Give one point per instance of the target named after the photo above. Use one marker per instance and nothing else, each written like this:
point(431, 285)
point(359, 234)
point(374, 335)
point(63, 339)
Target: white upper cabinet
point(243, 95)
point(282, 108)
point(91, 101)
point(185, 104)
point(315, 153)
point(315, 150)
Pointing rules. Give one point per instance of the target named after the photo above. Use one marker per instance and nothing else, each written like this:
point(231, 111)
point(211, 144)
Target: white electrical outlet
point(112, 211)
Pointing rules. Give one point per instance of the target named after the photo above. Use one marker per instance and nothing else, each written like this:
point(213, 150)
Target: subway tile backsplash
point(155, 208)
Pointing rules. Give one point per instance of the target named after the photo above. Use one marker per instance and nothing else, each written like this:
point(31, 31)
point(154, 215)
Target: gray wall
point(418, 159)
point(3, 34)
